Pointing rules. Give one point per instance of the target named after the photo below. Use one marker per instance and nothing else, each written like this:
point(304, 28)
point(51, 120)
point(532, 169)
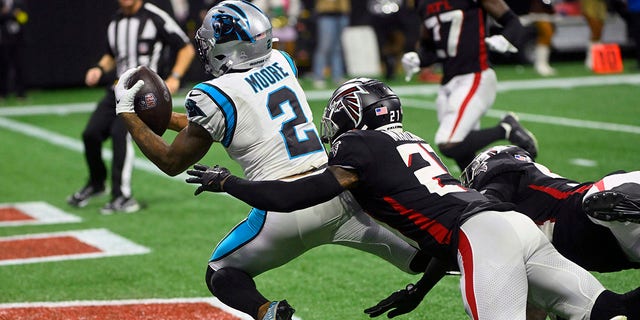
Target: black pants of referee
point(104, 124)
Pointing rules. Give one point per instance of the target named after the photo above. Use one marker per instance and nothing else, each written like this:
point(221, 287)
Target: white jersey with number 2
point(262, 118)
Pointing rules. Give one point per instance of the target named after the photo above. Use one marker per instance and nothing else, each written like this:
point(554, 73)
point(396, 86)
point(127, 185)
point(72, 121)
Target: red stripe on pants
point(464, 247)
point(474, 88)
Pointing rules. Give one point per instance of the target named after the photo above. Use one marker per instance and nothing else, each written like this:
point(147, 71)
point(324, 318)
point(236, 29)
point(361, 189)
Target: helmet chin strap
point(226, 67)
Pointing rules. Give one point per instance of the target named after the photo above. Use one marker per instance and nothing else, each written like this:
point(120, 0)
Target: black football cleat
point(279, 310)
point(612, 205)
point(518, 135)
point(81, 197)
point(120, 204)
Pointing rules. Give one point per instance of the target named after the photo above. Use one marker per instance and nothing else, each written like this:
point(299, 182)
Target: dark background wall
point(66, 37)
point(63, 39)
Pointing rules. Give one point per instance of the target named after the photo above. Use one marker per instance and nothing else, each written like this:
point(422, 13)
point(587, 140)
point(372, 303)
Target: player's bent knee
point(226, 279)
point(208, 278)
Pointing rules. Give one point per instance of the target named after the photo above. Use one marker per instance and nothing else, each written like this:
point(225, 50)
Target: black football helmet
point(360, 103)
point(479, 164)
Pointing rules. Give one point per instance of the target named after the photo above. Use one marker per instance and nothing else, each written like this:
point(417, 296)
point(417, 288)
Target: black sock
point(236, 289)
point(632, 302)
point(608, 305)
point(464, 151)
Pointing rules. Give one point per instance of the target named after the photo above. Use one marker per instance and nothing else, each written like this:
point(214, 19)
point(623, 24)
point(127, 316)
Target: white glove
point(124, 96)
point(410, 64)
point(499, 43)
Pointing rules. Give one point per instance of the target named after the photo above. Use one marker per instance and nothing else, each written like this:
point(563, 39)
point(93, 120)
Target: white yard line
point(76, 145)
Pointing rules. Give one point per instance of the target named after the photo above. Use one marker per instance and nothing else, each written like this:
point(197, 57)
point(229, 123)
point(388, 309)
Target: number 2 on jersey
point(421, 158)
point(298, 142)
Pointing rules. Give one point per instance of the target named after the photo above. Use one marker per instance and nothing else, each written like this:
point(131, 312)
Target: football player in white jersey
point(255, 107)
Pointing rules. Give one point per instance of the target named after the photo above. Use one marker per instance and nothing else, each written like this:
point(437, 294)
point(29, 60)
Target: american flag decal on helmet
point(380, 111)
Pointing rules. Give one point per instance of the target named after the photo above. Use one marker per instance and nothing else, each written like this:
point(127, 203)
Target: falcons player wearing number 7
point(398, 179)
point(453, 33)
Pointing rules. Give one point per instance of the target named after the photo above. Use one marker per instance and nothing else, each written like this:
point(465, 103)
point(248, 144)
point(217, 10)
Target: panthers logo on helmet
point(349, 100)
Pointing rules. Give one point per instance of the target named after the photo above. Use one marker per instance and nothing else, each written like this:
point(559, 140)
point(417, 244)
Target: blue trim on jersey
point(227, 107)
point(243, 233)
point(291, 63)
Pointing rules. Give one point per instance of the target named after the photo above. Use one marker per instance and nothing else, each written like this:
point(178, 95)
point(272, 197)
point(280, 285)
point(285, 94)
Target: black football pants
point(104, 124)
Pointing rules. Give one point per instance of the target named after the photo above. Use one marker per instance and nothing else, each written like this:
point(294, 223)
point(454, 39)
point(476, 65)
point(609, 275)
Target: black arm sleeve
point(503, 187)
point(513, 29)
point(285, 196)
point(436, 270)
point(427, 53)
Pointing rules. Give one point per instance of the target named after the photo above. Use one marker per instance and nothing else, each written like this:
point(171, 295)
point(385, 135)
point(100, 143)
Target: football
point(152, 103)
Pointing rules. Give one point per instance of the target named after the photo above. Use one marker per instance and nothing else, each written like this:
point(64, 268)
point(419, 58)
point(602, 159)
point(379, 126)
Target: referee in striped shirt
point(139, 34)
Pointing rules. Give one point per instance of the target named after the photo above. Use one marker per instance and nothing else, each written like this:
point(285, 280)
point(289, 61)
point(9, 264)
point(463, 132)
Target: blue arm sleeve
point(285, 196)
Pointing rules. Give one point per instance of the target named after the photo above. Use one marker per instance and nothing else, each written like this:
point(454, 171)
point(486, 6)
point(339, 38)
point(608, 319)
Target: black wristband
point(506, 18)
point(99, 67)
point(512, 28)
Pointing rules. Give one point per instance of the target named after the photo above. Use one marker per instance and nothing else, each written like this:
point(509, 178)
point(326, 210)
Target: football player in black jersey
point(397, 178)
point(453, 33)
point(594, 224)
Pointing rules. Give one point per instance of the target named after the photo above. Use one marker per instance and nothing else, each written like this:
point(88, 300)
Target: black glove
point(210, 179)
point(402, 301)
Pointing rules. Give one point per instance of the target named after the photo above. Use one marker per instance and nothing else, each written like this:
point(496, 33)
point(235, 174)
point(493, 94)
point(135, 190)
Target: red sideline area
point(129, 311)
point(13, 214)
point(52, 246)
point(86, 244)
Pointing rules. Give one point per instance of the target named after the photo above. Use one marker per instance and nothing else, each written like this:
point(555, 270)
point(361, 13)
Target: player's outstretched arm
point(406, 300)
point(274, 195)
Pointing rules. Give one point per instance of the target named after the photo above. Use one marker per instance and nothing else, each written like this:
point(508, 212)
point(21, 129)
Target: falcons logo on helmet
point(349, 100)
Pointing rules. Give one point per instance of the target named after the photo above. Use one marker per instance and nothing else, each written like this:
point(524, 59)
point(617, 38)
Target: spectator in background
point(13, 17)
point(396, 24)
point(630, 11)
point(161, 31)
point(332, 17)
point(595, 12)
point(543, 11)
point(284, 18)
point(540, 14)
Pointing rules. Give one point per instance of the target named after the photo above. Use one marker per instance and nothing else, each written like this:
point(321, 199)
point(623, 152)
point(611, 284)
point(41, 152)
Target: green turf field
point(587, 125)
